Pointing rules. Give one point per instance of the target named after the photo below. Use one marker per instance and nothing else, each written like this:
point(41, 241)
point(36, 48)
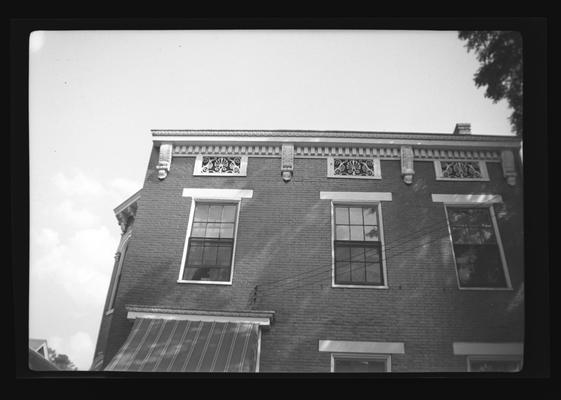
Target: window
point(220, 165)
point(358, 245)
point(477, 249)
point(351, 167)
point(494, 364)
point(211, 242)
point(360, 363)
point(461, 170)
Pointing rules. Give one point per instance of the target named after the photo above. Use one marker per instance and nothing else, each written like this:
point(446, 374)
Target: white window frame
point(482, 167)
point(362, 357)
point(358, 199)
point(205, 195)
point(473, 201)
point(199, 164)
point(331, 167)
point(122, 249)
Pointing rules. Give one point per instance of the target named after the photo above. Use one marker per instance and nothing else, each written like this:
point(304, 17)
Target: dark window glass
point(478, 260)
point(358, 365)
point(495, 365)
point(357, 246)
point(211, 243)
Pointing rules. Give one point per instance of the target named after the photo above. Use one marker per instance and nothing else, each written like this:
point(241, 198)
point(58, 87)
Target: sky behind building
point(95, 95)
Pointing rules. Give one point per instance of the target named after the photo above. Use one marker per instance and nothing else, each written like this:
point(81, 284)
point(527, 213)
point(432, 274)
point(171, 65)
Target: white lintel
point(356, 196)
point(217, 194)
point(344, 346)
point(495, 349)
point(467, 198)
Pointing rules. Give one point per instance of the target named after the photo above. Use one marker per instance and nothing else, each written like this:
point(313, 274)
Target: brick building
point(319, 251)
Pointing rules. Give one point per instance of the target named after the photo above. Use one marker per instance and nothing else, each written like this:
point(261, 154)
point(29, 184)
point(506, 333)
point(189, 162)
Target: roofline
point(322, 133)
point(332, 138)
point(127, 202)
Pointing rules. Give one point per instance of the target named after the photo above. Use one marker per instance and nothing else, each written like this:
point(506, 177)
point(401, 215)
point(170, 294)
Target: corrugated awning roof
point(168, 345)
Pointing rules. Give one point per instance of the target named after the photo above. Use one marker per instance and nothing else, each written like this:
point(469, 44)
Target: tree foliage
point(61, 360)
point(500, 55)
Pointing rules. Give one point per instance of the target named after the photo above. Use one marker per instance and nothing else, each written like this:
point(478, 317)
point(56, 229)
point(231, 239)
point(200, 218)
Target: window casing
point(477, 249)
point(210, 242)
point(357, 363)
point(358, 251)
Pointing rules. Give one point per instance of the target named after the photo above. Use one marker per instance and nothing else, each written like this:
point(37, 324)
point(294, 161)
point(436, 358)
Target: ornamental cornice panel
point(447, 154)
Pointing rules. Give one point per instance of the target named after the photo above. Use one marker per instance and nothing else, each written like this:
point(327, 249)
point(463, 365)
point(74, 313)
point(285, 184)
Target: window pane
point(479, 217)
point(342, 232)
point(342, 253)
point(229, 214)
point(215, 213)
point(198, 229)
point(212, 230)
point(371, 233)
point(227, 230)
point(479, 266)
point(460, 235)
point(210, 253)
point(201, 212)
point(341, 215)
point(342, 272)
point(357, 232)
point(374, 274)
point(195, 256)
point(372, 254)
point(457, 216)
point(355, 216)
point(196, 274)
point(219, 274)
point(342, 365)
point(358, 273)
point(357, 254)
point(495, 365)
point(487, 235)
point(224, 253)
point(370, 216)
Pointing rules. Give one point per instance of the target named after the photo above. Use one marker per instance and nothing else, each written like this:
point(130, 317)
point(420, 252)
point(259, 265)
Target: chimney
point(462, 129)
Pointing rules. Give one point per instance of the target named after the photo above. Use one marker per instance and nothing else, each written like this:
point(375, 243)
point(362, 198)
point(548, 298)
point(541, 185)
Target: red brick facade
point(284, 230)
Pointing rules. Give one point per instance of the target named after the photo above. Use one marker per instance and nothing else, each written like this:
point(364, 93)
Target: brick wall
point(285, 229)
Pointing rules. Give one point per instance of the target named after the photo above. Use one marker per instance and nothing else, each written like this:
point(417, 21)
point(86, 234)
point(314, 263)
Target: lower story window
point(360, 363)
point(487, 364)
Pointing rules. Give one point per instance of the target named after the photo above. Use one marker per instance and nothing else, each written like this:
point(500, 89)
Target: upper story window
point(352, 167)
point(477, 248)
point(461, 170)
point(220, 165)
point(211, 242)
point(358, 245)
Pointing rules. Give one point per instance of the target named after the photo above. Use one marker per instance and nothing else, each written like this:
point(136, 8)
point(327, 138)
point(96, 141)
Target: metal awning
point(175, 345)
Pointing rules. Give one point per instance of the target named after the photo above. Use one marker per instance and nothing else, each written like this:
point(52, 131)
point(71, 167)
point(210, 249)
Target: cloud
point(79, 348)
point(46, 238)
point(79, 217)
point(124, 187)
point(81, 266)
point(78, 185)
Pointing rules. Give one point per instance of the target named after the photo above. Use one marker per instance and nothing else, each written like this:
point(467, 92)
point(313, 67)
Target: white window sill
point(359, 286)
point(507, 289)
point(206, 282)
point(464, 179)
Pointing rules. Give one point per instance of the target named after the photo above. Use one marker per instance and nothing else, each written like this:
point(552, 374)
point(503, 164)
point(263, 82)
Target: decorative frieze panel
point(218, 165)
point(321, 151)
point(444, 154)
point(452, 170)
point(227, 150)
point(365, 168)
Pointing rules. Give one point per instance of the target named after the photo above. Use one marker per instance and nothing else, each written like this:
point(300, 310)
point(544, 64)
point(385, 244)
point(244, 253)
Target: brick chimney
point(462, 128)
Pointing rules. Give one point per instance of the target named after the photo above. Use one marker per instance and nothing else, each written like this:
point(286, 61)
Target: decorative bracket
point(509, 168)
point(287, 162)
point(164, 161)
point(407, 170)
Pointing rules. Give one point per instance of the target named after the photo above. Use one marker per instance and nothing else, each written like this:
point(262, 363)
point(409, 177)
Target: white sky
point(95, 95)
